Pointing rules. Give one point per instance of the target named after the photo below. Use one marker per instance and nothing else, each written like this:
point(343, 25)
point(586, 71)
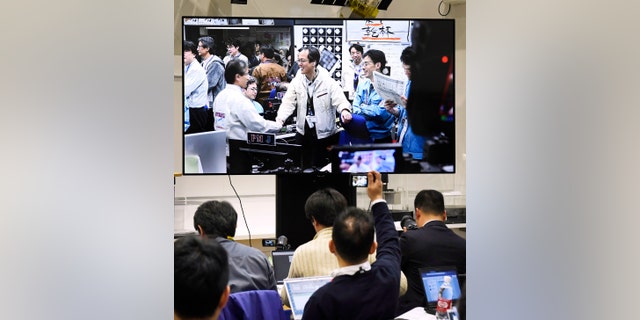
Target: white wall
point(259, 191)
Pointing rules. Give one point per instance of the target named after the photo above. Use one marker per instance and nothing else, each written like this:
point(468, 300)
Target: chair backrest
point(254, 305)
point(355, 132)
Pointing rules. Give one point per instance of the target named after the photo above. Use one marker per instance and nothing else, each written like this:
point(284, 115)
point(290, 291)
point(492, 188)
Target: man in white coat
point(235, 113)
point(319, 100)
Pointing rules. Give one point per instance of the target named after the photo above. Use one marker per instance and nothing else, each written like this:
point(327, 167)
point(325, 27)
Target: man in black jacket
point(432, 244)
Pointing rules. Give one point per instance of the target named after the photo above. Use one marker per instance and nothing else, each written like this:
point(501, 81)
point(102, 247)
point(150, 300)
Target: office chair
point(355, 132)
point(254, 305)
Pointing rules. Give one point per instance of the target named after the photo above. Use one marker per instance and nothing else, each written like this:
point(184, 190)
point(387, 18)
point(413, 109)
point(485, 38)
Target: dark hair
point(430, 201)
point(189, 46)
point(408, 56)
point(233, 42)
point(267, 51)
point(251, 81)
point(314, 54)
point(217, 219)
point(376, 56)
point(235, 66)
point(200, 276)
point(353, 234)
point(207, 42)
point(357, 46)
point(324, 205)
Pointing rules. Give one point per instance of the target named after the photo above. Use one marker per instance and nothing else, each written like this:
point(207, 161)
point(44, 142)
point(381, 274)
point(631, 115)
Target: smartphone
point(268, 242)
point(359, 180)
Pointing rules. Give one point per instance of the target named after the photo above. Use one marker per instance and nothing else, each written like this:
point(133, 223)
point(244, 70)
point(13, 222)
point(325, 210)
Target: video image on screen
point(276, 95)
point(367, 160)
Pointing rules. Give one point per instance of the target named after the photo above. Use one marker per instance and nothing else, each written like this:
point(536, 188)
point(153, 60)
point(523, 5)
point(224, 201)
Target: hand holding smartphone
point(374, 188)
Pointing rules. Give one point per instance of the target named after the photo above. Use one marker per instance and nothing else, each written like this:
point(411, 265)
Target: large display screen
point(415, 132)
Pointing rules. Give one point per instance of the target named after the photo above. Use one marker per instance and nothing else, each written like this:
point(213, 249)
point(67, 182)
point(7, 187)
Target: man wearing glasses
point(318, 100)
point(233, 52)
point(213, 66)
point(368, 102)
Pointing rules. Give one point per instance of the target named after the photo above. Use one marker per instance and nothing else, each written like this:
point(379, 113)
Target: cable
point(241, 209)
point(440, 7)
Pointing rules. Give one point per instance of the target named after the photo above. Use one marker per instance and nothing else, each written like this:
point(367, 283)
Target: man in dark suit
point(432, 244)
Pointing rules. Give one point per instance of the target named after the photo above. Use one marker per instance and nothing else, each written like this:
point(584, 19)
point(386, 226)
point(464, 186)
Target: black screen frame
point(413, 168)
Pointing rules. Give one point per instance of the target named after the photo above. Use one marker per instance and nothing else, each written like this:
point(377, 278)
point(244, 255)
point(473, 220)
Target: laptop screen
point(300, 290)
point(281, 263)
point(432, 279)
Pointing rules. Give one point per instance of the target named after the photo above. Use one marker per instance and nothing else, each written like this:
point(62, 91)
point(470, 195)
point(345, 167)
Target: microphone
point(408, 222)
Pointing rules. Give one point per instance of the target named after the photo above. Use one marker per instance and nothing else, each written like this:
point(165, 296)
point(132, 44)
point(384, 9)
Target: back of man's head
point(324, 205)
point(233, 68)
point(216, 218)
point(201, 276)
point(267, 52)
point(430, 202)
point(353, 235)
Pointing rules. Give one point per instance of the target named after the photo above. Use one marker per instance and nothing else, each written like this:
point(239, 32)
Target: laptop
point(299, 290)
point(210, 147)
point(432, 279)
point(281, 263)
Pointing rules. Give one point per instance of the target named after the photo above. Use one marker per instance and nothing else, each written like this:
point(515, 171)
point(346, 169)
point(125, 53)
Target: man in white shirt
point(195, 90)
point(235, 113)
point(353, 72)
point(233, 52)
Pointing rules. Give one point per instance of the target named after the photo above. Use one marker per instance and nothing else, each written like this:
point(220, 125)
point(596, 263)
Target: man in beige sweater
point(314, 258)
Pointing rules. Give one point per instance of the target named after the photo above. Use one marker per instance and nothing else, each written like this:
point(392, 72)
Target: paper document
point(388, 88)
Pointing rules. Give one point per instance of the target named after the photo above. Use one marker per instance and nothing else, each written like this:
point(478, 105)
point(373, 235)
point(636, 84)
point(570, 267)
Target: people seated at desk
point(249, 268)
point(432, 244)
point(317, 98)
point(314, 258)
point(359, 289)
point(200, 278)
point(368, 103)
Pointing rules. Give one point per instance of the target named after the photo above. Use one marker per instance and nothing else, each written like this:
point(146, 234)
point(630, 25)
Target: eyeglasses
point(302, 61)
point(366, 63)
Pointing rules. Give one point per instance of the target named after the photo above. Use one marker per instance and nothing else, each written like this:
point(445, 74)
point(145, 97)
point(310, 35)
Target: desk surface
point(416, 313)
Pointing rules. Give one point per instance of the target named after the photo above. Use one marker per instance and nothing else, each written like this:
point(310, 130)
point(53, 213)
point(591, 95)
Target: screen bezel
point(281, 22)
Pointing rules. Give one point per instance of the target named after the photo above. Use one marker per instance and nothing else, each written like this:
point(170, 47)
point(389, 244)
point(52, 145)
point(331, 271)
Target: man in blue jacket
point(412, 143)
point(367, 101)
point(360, 290)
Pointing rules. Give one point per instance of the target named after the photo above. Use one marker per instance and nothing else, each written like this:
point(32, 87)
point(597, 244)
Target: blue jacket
point(411, 143)
point(369, 104)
